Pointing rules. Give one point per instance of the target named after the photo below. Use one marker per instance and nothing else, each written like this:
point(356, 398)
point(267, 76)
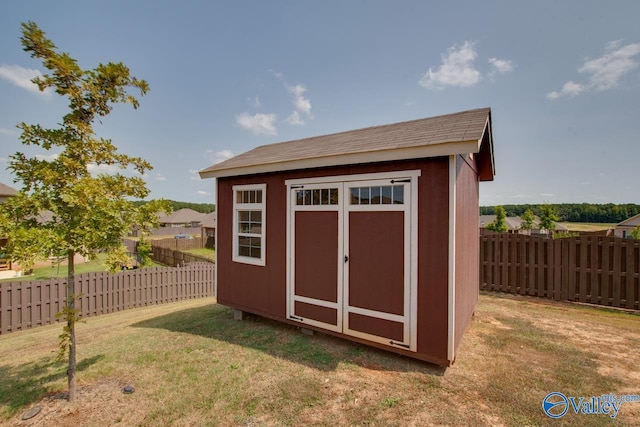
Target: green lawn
point(60, 269)
point(192, 364)
point(204, 252)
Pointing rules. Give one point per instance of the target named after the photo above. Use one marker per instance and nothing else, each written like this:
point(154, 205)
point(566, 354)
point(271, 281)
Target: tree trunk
point(71, 323)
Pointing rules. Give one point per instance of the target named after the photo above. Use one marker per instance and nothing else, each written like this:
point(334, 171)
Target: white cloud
point(457, 69)
point(218, 156)
point(160, 177)
point(294, 119)
point(604, 72)
point(21, 77)
point(299, 101)
point(96, 169)
point(203, 193)
point(258, 124)
point(48, 157)
point(501, 66)
point(569, 89)
point(255, 102)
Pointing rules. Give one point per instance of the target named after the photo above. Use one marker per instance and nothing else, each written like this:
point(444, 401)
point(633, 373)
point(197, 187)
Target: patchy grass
point(56, 269)
point(587, 226)
point(203, 252)
point(192, 364)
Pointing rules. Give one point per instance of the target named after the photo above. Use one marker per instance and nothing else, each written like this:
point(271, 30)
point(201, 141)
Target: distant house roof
point(515, 222)
point(459, 133)
point(632, 222)
point(209, 220)
point(6, 191)
point(183, 216)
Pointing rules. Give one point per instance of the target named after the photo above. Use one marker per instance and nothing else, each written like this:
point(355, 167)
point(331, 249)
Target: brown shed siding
point(466, 245)
point(262, 290)
point(433, 247)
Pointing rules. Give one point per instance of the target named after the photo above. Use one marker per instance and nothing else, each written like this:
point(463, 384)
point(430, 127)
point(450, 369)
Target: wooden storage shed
point(370, 234)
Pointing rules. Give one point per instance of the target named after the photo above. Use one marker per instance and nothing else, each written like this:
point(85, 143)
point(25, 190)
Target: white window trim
point(250, 206)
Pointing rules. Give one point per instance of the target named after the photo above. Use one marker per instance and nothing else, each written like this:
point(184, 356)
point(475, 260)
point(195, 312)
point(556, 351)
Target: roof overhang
point(436, 150)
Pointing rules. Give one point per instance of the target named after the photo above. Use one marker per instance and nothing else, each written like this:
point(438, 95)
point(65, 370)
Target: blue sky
point(562, 79)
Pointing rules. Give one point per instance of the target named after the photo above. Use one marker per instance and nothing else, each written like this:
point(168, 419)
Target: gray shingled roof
point(182, 216)
point(5, 190)
point(442, 135)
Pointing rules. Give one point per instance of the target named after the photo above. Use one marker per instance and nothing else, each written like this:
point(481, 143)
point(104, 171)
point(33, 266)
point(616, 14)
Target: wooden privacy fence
point(179, 244)
point(589, 269)
point(174, 258)
point(26, 304)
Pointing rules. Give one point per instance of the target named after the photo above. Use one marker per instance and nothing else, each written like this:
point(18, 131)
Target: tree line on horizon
point(175, 205)
point(574, 212)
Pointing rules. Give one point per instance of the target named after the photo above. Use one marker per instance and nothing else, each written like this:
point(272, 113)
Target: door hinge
point(296, 318)
point(296, 186)
point(393, 181)
point(399, 344)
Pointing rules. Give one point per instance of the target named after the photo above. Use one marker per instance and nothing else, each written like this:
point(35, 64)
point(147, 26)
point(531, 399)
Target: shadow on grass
point(26, 384)
point(284, 341)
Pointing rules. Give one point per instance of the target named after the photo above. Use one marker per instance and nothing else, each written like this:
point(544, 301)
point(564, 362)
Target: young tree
point(500, 223)
point(88, 212)
point(635, 233)
point(548, 217)
point(528, 220)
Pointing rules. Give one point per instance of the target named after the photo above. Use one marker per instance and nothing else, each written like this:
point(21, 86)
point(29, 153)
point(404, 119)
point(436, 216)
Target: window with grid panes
point(249, 224)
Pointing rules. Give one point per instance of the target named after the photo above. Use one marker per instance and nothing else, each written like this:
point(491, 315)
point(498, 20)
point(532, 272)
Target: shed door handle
point(346, 258)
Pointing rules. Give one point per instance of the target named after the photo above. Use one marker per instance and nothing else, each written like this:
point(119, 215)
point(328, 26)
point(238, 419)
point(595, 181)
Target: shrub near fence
point(26, 305)
point(588, 269)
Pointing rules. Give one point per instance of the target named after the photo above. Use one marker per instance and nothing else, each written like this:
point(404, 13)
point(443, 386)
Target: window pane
point(333, 196)
point(324, 196)
point(364, 195)
point(255, 252)
point(243, 215)
point(252, 196)
point(386, 195)
point(244, 251)
point(307, 197)
point(398, 194)
point(258, 196)
point(316, 197)
point(255, 242)
point(299, 197)
point(355, 196)
point(375, 195)
point(256, 216)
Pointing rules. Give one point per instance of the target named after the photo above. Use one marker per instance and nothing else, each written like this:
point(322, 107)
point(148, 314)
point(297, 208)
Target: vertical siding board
point(605, 297)
point(616, 274)
point(522, 264)
point(629, 273)
point(595, 260)
point(539, 289)
point(556, 264)
point(582, 284)
point(489, 262)
point(504, 262)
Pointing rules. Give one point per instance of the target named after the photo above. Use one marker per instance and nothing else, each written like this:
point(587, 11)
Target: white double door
point(350, 263)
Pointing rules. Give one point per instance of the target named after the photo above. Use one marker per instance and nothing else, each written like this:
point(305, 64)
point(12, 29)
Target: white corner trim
point(451, 291)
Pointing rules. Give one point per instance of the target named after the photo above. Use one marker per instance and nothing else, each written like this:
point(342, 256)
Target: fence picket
point(589, 269)
point(28, 304)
